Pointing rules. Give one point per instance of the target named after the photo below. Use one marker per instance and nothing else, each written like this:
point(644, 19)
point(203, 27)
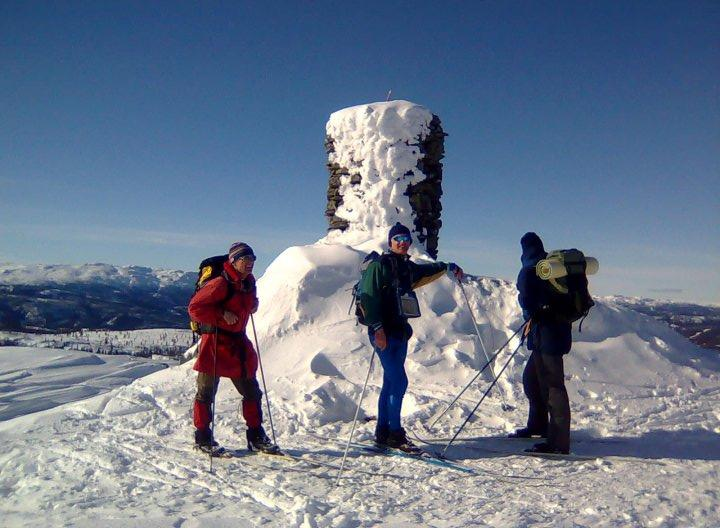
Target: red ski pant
point(207, 386)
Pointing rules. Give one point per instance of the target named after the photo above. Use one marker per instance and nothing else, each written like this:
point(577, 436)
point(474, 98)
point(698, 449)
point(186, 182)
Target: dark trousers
point(544, 386)
point(207, 386)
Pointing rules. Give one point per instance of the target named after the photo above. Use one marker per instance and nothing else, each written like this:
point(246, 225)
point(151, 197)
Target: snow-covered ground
point(644, 403)
point(165, 343)
point(36, 379)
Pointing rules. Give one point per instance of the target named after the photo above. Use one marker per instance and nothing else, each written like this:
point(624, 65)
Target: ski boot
point(205, 443)
point(257, 440)
point(545, 448)
point(399, 440)
point(527, 433)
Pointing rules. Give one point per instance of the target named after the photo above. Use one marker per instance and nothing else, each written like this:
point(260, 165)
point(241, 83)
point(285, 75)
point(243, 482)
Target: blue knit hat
point(532, 249)
point(398, 229)
point(530, 241)
point(239, 250)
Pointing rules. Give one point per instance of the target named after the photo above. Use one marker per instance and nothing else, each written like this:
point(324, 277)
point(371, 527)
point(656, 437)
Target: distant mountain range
point(699, 323)
point(61, 298)
point(92, 296)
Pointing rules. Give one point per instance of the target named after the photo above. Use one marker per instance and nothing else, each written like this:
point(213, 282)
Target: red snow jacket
point(235, 356)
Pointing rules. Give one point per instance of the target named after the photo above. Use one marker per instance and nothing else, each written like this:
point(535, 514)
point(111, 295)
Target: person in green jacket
point(388, 301)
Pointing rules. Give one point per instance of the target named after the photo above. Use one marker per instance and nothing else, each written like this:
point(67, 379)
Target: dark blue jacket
point(547, 335)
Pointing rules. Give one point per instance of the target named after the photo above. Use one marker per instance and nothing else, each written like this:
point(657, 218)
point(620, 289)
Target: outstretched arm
point(426, 273)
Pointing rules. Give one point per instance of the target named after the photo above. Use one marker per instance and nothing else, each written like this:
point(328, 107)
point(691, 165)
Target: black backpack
point(374, 256)
point(407, 304)
point(569, 297)
point(210, 268)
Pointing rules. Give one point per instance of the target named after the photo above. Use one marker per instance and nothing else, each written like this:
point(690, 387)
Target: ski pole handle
point(526, 330)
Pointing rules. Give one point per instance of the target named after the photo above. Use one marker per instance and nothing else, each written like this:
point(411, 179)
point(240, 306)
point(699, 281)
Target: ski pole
point(476, 376)
point(477, 330)
point(212, 402)
point(357, 411)
point(505, 406)
point(481, 400)
point(262, 375)
point(522, 340)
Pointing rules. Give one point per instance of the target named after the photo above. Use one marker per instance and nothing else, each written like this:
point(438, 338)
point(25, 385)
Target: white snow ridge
point(645, 424)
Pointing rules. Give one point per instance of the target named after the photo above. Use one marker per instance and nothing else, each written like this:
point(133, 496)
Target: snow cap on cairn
point(384, 160)
point(239, 250)
point(398, 229)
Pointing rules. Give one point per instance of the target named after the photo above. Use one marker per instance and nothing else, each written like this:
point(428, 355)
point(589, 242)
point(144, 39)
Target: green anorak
point(379, 286)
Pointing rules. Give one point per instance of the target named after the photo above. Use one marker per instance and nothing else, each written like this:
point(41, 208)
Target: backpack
point(373, 256)
point(210, 268)
point(565, 274)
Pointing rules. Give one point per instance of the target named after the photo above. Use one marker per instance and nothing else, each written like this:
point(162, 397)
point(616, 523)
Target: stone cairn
point(424, 196)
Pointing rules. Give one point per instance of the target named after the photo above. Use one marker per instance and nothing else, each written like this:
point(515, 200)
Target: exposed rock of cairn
point(385, 167)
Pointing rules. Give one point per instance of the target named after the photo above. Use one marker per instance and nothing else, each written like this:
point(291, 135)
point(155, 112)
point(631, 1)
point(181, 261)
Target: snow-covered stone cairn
point(385, 167)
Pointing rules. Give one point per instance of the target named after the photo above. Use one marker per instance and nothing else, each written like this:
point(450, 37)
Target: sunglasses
point(246, 258)
point(402, 239)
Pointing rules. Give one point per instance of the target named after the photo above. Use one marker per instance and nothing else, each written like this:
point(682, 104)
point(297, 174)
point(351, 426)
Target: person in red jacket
point(223, 306)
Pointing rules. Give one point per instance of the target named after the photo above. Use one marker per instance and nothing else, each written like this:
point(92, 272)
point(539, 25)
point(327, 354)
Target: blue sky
point(155, 133)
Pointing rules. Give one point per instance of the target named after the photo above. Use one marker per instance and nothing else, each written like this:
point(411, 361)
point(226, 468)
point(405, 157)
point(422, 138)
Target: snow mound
point(304, 280)
point(307, 337)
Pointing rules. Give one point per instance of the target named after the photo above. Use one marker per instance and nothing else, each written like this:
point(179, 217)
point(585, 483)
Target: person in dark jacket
point(225, 350)
point(387, 279)
point(548, 340)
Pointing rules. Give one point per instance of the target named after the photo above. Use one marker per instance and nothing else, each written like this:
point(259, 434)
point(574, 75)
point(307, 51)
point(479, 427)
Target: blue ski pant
point(395, 382)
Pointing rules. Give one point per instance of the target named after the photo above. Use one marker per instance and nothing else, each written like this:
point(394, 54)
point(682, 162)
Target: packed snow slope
point(644, 404)
point(34, 379)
